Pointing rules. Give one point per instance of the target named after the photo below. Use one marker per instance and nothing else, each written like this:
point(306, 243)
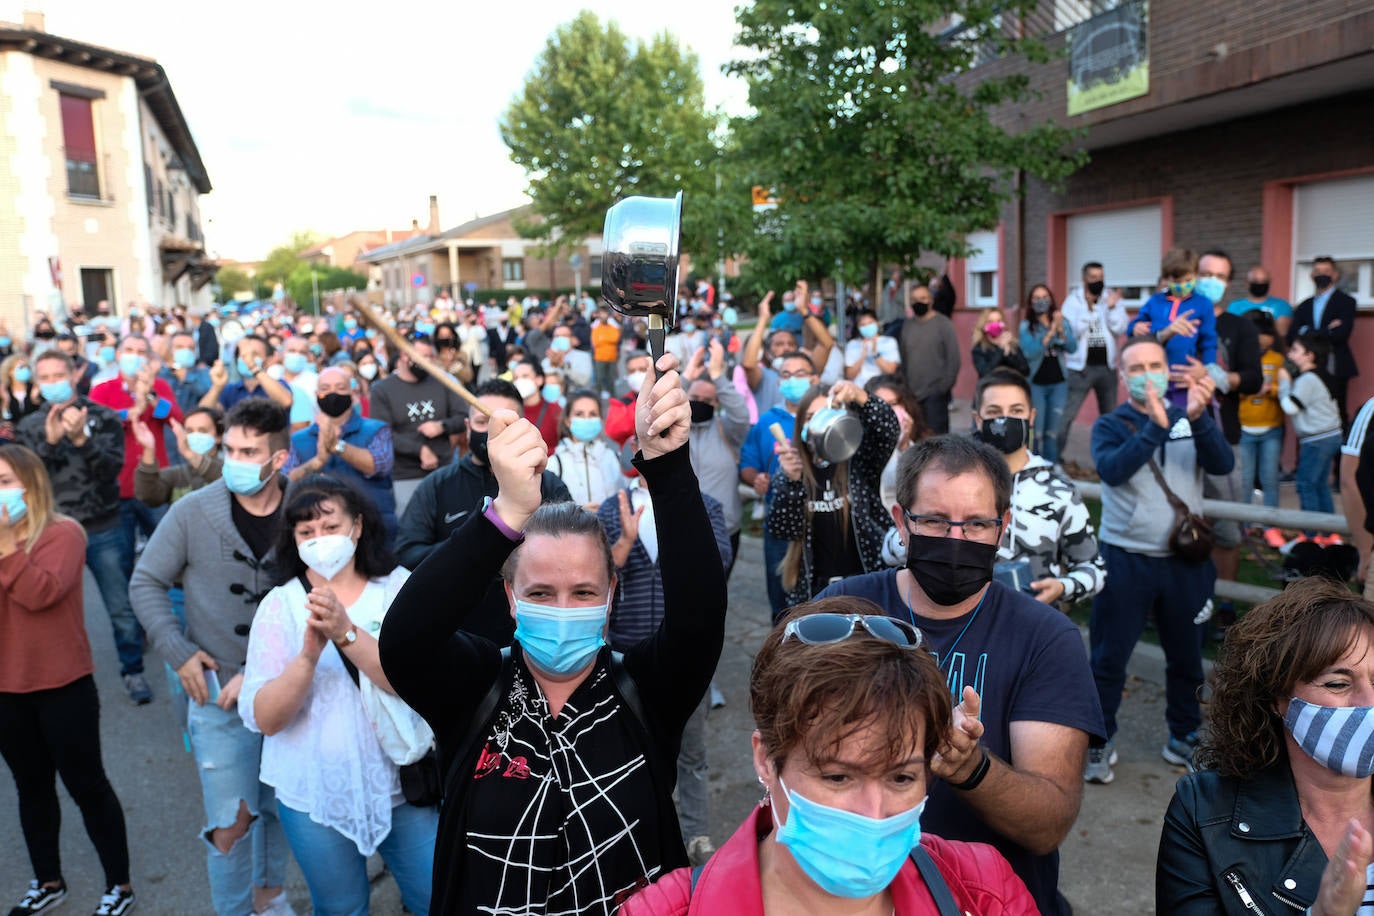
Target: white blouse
point(327, 762)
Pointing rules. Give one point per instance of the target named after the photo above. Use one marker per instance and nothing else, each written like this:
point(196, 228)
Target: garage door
point(1335, 219)
point(1126, 242)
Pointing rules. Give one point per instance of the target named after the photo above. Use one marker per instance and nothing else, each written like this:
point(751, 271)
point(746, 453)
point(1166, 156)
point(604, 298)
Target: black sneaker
point(138, 688)
point(115, 903)
point(40, 899)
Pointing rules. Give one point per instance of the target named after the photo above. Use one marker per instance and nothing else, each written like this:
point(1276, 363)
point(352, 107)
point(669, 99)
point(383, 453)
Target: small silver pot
point(834, 434)
point(640, 256)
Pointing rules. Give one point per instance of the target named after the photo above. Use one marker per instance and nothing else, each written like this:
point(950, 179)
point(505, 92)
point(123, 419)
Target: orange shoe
point(1274, 538)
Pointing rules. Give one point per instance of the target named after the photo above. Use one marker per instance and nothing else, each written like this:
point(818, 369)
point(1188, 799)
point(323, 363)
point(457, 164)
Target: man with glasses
point(444, 500)
point(217, 542)
point(758, 460)
point(1016, 666)
point(1144, 446)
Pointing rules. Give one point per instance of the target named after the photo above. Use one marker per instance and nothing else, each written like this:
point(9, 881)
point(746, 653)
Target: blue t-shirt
point(757, 451)
point(234, 392)
point(1274, 306)
point(1027, 662)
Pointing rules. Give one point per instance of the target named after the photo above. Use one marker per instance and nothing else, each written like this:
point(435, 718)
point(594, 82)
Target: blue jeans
point(1048, 401)
point(1314, 473)
point(774, 552)
point(136, 516)
point(112, 565)
point(336, 872)
point(1259, 454)
point(228, 760)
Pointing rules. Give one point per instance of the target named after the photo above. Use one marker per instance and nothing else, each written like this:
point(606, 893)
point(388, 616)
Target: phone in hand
point(211, 685)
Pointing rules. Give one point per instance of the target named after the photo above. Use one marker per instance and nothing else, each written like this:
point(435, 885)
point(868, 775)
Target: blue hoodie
point(1136, 515)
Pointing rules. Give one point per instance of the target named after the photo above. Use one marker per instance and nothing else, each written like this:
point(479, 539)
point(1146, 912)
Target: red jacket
point(114, 393)
point(620, 419)
point(982, 882)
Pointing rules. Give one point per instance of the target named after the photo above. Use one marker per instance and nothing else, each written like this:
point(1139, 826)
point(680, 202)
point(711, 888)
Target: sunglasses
point(824, 629)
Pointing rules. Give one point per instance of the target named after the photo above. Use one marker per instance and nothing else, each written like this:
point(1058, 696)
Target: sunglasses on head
point(824, 629)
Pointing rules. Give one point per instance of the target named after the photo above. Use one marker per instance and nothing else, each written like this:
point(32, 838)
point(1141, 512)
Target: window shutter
point(78, 128)
point(1334, 218)
point(1126, 242)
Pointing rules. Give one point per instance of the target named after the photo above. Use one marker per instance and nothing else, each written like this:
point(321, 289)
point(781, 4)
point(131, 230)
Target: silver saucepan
point(833, 434)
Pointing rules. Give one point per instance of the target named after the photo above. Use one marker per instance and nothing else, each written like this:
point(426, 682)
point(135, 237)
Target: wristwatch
point(348, 638)
point(339, 447)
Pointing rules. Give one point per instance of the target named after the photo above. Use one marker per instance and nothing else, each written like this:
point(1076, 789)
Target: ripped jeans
point(229, 759)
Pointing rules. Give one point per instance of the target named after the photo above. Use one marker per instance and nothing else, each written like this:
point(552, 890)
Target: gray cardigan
point(198, 545)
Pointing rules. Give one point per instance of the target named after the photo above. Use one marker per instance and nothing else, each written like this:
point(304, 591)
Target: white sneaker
point(278, 906)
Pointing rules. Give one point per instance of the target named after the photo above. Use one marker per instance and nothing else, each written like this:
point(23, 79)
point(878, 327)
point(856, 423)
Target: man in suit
point(1330, 312)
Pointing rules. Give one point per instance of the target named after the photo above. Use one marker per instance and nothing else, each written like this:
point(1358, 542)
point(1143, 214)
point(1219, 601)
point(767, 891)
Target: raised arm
point(753, 373)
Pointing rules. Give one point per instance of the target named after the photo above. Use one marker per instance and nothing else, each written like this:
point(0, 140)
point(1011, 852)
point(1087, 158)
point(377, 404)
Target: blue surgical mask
point(106, 355)
point(184, 358)
point(560, 640)
point(23, 375)
point(351, 323)
point(847, 854)
point(1211, 287)
point(688, 327)
point(561, 344)
point(200, 443)
point(789, 305)
point(424, 327)
point(243, 477)
point(12, 500)
point(56, 392)
point(294, 362)
point(1337, 737)
point(551, 392)
point(245, 370)
point(584, 429)
point(794, 389)
point(868, 330)
point(5, 342)
point(131, 364)
point(1136, 385)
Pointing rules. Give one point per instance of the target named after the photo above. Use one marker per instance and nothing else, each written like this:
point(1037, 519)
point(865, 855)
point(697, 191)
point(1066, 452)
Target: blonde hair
point(980, 335)
point(7, 369)
point(33, 477)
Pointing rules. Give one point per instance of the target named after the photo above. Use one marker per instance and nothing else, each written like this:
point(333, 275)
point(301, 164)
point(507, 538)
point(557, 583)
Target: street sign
point(470, 286)
point(575, 262)
point(417, 281)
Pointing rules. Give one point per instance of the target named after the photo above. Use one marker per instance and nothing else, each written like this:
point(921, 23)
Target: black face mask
point(335, 404)
point(1096, 287)
point(949, 570)
point(1259, 290)
point(1006, 434)
point(477, 442)
point(702, 412)
point(419, 371)
point(920, 308)
point(1320, 281)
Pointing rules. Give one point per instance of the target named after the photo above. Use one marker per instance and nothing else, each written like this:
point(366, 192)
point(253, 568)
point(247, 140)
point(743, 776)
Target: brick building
point(486, 251)
point(1254, 135)
point(100, 180)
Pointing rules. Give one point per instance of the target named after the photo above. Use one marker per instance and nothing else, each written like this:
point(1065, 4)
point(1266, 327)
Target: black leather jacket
point(1239, 848)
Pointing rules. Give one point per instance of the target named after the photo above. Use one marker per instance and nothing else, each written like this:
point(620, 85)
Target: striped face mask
point(1340, 738)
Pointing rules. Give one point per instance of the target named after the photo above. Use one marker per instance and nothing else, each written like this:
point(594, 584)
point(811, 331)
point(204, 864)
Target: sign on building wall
point(1109, 57)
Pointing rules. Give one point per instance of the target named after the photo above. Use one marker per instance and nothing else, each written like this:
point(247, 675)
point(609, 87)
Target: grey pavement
point(1108, 857)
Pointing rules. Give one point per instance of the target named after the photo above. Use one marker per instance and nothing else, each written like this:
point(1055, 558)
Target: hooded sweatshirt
point(1136, 515)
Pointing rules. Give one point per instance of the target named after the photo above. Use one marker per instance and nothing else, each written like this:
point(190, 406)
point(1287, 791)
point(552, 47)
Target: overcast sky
point(348, 115)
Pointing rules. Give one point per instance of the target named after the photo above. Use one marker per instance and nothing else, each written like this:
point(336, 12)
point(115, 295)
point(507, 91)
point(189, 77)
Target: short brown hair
point(1178, 262)
point(1290, 638)
point(812, 698)
point(953, 454)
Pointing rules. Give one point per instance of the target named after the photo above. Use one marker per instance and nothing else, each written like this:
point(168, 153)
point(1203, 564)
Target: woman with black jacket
point(1278, 820)
point(560, 798)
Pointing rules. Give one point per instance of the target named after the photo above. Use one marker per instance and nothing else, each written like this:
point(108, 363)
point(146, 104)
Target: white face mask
point(329, 554)
point(526, 387)
point(636, 380)
point(276, 371)
point(368, 370)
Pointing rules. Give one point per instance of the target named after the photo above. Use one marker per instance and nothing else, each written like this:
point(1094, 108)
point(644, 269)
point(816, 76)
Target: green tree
point(232, 281)
point(600, 119)
point(283, 260)
point(301, 285)
point(875, 136)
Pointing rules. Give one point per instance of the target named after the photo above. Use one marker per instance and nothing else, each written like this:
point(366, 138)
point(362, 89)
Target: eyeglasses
point(824, 629)
point(974, 529)
point(785, 375)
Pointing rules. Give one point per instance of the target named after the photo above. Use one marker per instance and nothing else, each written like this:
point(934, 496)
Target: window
point(78, 140)
point(1331, 218)
point(513, 270)
point(1069, 13)
point(594, 264)
point(1128, 244)
point(161, 200)
point(981, 270)
point(96, 284)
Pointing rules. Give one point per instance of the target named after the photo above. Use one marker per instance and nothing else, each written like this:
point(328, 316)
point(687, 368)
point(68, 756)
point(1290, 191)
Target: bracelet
point(979, 773)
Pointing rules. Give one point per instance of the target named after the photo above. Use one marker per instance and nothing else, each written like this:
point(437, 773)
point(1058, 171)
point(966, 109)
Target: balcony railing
point(86, 178)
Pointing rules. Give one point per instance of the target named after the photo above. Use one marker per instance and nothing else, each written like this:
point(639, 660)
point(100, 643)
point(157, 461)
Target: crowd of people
point(481, 641)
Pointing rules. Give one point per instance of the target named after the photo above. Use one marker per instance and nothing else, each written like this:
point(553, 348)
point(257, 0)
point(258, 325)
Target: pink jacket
point(982, 882)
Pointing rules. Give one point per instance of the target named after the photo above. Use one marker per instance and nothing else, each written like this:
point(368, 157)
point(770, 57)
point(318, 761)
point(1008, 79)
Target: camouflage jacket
point(1051, 528)
point(85, 480)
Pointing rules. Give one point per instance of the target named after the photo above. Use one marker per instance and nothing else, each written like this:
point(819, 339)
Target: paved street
point(1108, 858)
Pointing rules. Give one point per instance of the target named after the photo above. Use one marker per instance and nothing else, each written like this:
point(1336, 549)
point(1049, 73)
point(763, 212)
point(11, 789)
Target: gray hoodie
point(198, 545)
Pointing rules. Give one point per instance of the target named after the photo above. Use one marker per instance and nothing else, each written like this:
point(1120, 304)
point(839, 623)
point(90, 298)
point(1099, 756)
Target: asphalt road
point(1108, 858)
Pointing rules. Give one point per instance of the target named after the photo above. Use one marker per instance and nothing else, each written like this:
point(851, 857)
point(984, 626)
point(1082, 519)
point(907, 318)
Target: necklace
point(948, 654)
